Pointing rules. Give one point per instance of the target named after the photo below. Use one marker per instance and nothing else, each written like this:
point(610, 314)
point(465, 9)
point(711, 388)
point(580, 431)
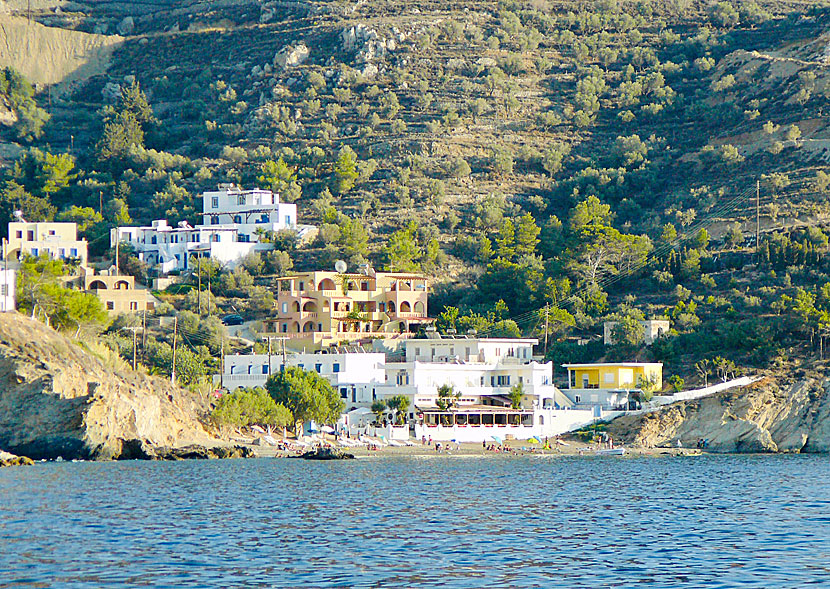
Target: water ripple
point(716, 521)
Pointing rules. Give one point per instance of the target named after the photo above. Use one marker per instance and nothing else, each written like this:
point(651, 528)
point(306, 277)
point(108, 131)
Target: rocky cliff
point(56, 399)
point(762, 417)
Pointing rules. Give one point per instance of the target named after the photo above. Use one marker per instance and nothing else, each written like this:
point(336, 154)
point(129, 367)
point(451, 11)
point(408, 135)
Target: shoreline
point(574, 448)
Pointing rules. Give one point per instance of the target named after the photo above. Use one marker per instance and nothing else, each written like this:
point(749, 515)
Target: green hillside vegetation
point(547, 162)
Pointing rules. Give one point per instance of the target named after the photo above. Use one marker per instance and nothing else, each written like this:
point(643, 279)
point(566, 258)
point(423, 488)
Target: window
point(577, 399)
point(382, 307)
point(237, 219)
point(318, 368)
point(19, 234)
point(30, 236)
point(503, 380)
point(608, 377)
point(214, 202)
point(284, 328)
point(215, 237)
point(34, 251)
point(288, 220)
point(417, 351)
point(344, 393)
point(4, 290)
point(335, 367)
point(133, 306)
point(302, 285)
point(154, 239)
point(241, 199)
point(284, 308)
point(214, 220)
point(51, 232)
point(110, 306)
point(264, 369)
point(265, 219)
point(61, 253)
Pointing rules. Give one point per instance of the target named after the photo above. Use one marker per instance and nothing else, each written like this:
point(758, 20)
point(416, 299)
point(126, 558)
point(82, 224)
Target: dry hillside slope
point(56, 399)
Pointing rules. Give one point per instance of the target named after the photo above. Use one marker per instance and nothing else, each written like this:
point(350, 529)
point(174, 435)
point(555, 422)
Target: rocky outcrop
point(57, 399)
point(8, 459)
point(761, 417)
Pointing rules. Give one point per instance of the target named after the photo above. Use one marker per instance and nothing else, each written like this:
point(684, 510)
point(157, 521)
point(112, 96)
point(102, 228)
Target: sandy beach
point(510, 448)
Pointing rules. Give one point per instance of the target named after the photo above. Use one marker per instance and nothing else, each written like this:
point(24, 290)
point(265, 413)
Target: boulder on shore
point(8, 459)
point(58, 399)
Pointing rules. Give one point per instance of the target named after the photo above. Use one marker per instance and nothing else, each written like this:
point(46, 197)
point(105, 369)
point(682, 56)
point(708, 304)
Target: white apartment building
point(232, 222)
point(170, 248)
point(483, 370)
point(57, 240)
point(354, 375)
point(8, 283)
point(247, 211)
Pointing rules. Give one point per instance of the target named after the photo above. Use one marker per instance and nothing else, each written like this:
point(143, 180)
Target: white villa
point(481, 370)
point(232, 222)
point(355, 374)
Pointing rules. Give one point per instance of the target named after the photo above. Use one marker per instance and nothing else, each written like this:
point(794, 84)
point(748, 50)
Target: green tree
point(307, 395)
point(398, 405)
point(39, 292)
point(447, 397)
point(245, 407)
point(345, 170)
point(402, 251)
point(516, 395)
point(281, 178)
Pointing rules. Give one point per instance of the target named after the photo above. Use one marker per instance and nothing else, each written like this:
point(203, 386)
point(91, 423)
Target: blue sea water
point(710, 521)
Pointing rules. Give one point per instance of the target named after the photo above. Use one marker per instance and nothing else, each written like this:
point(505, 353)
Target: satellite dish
point(340, 266)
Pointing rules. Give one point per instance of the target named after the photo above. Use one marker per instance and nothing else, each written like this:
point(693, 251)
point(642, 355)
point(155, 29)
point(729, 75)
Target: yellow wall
point(615, 376)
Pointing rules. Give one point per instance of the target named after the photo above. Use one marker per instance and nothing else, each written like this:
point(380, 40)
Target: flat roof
point(599, 364)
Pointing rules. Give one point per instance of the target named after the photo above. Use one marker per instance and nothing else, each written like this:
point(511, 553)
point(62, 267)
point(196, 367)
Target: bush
point(248, 407)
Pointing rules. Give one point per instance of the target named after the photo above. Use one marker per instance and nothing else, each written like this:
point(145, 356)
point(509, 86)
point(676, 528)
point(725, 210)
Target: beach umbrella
point(497, 439)
point(327, 429)
point(534, 440)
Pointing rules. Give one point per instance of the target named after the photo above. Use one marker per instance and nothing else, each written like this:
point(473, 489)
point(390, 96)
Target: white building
point(8, 283)
point(57, 240)
point(233, 220)
point(171, 247)
point(247, 211)
point(482, 371)
point(354, 375)
point(652, 329)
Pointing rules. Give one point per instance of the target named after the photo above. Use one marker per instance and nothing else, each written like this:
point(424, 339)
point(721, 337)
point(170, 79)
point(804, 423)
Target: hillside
point(58, 399)
point(601, 158)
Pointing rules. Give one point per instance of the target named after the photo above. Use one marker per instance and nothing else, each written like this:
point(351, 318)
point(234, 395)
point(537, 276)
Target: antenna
point(340, 266)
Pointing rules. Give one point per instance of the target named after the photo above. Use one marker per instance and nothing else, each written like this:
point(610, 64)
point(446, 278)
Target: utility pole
point(144, 331)
point(222, 364)
point(546, 329)
point(270, 338)
point(199, 259)
point(175, 334)
point(758, 221)
point(134, 329)
point(117, 241)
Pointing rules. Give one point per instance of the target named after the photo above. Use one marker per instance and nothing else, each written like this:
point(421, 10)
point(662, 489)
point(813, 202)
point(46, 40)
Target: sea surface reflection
point(713, 521)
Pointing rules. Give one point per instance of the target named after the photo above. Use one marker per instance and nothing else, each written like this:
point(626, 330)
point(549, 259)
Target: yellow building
point(57, 240)
point(319, 309)
point(118, 293)
point(614, 375)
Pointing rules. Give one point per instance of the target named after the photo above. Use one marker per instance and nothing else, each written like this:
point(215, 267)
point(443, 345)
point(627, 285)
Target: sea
point(420, 521)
